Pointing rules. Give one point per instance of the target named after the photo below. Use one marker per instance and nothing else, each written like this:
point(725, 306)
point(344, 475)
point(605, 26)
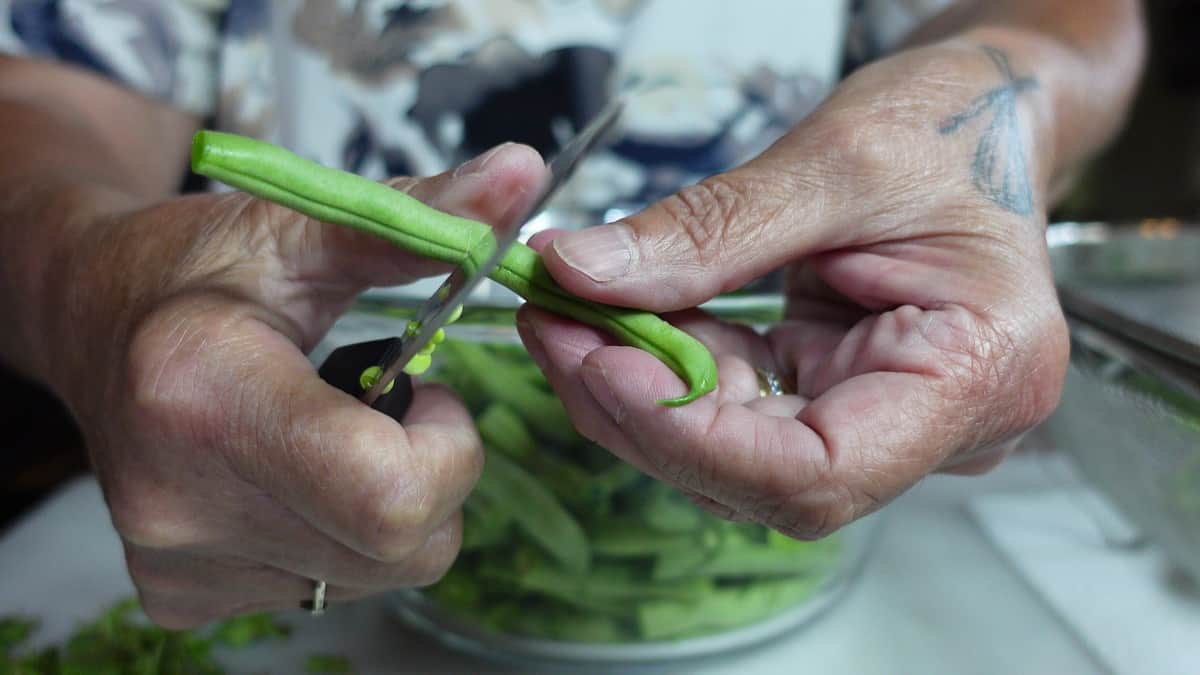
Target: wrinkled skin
point(922, 333)
point(233, 473)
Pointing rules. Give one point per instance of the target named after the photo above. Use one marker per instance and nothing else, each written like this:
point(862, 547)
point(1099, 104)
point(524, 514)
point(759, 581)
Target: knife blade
point(388, 390)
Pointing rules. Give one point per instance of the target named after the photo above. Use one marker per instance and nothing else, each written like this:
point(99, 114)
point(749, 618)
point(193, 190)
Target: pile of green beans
point(562, 541)
point(345, 199)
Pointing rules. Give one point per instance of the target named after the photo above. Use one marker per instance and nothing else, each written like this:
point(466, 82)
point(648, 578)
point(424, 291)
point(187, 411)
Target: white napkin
point(1120, 601)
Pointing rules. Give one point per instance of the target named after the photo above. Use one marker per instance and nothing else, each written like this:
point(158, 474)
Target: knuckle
point(705, 215)
point(395, 515)
point(386, 499)
point(973, 352)
point(423, 565)
point(167, 370)
point(146, 520)
point(458, 452)
point(1015, 369)
point(822, 509)
point(817, 521)
point(857, 146)
point(431, 567)
point(983, 365)
point(438, 555)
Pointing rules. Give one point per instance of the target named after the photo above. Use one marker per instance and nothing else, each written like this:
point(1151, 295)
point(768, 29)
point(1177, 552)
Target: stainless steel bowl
point(1130, 413)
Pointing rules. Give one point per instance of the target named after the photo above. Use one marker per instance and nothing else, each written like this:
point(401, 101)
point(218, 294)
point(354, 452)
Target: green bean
point(721, 608)
point(755, 560)
point(659, 567)
point(606, 587)
point(565, 624)
point(500, 616)
point(1184, 487)
point(345, 199)
point(523, 272)
point(485, 522)
point(496, 380)
point(458, 589)
point(536, 512)
point(328, 664)
point(670, 564)
point(550, 620)
point(501, 428)
point(666, 510)
point(628, 538)
point(617, 477)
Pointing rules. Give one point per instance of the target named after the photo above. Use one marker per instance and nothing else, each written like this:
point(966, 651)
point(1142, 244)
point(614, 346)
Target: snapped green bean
point(345, 199)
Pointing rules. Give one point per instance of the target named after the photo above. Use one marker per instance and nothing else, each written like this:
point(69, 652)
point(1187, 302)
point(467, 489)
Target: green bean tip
point(200, 148)
point(701, 388)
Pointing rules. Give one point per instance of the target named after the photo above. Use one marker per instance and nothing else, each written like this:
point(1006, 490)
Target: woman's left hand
point(922, 333)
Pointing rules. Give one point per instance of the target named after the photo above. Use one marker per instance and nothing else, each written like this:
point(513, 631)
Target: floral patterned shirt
point(412, 87)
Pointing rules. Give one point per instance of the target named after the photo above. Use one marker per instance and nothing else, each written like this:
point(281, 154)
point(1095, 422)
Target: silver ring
point(318, 599)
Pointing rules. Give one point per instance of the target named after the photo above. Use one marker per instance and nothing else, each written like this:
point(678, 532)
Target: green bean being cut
point(566, 542)
point(345, 199)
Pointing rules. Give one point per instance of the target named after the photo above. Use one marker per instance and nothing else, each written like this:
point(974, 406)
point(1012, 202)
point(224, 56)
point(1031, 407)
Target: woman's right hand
point(235, 476)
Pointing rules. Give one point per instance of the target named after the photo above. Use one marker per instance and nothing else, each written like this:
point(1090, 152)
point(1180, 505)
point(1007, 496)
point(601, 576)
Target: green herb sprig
point(121, 642)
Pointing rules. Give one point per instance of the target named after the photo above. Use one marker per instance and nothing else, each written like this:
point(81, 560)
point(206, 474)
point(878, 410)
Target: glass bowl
point(573, 556)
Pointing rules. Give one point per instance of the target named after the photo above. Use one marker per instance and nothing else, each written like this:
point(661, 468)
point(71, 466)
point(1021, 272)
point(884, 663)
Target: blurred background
point(1028, 555)
point(1151, 170)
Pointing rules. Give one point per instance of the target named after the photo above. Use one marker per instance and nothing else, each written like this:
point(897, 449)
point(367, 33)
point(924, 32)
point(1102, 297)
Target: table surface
point(934, 597)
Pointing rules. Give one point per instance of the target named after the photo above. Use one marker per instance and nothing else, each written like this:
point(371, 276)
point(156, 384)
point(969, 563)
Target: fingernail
point(596, 380)
point(601, 253)
point(479, 164)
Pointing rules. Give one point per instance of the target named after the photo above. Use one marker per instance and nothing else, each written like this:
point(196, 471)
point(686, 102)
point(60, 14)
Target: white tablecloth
point(935, 597)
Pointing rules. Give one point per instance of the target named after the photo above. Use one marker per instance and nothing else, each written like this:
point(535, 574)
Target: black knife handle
point(345, 365)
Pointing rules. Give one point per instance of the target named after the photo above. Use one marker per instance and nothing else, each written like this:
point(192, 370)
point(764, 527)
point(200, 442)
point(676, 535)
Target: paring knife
point(372, 371)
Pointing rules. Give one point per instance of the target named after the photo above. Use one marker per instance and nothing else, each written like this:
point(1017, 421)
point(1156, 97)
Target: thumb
point(489, 188)
point(707, 239)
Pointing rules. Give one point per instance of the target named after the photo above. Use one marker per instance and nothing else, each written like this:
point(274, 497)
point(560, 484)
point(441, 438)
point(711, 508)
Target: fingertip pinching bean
point(342, 198)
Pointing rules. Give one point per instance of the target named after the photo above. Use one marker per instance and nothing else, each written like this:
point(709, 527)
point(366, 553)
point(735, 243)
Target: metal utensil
point(389, 390)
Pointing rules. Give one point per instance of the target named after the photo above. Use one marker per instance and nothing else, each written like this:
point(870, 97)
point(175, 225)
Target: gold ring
point(769, 383)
